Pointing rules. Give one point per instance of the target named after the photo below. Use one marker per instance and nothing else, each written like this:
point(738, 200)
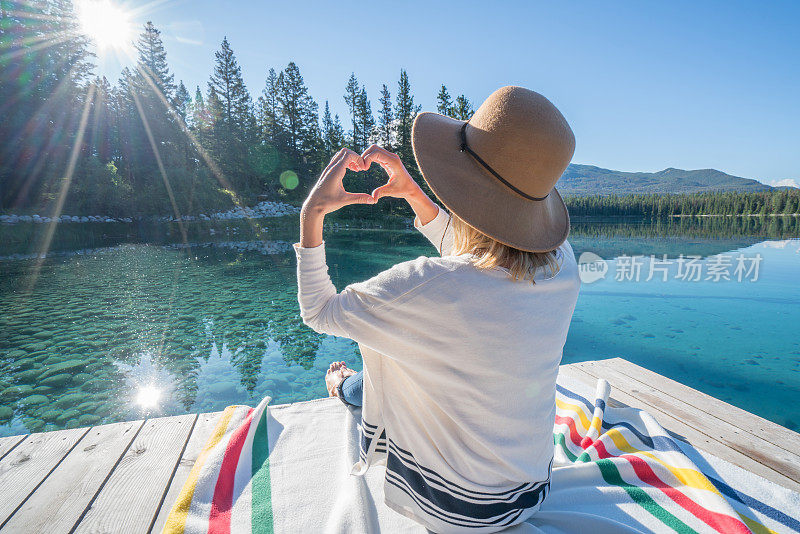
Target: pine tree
point(230, 111)
point(405, 113)
point(385, 119)
point(352, 94)
point(366, 122)
point(268, 109)
point(42, 94)
point(299, 116)
point(462, 109)
point(183, 102)
point(332, 133)
point(444, 102)
point(148, 130)
point(152, 64)
point(232, 103)
point(199, 119)
point(102, 134)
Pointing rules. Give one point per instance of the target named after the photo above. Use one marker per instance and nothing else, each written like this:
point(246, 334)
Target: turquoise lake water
point(120, 321)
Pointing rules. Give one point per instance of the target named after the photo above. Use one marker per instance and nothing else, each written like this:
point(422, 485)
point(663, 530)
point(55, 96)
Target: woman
point(461, 351)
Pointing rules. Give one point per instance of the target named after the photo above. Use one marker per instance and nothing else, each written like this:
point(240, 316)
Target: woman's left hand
point(328, 194)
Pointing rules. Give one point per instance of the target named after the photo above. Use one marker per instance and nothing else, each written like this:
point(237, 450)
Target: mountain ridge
point(581, 179)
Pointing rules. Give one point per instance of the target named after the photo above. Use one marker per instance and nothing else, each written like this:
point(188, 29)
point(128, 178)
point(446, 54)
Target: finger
point(377, 149)
point(353, 160)
point(382, 191)
point(359, 198)
point(344, 159)
point(334, 160)
point(377, 154)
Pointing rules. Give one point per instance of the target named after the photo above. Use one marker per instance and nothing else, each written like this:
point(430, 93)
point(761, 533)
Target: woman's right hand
point(400, 184)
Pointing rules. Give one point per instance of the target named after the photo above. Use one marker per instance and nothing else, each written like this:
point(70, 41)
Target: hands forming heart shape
point(328, 194)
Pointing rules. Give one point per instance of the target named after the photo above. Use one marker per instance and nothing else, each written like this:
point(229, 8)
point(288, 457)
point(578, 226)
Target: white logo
point(591, 267)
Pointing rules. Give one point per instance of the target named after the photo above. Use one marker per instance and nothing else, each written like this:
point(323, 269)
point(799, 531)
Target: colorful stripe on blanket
point(229, 488)
point(637, 455)
point(623, 453)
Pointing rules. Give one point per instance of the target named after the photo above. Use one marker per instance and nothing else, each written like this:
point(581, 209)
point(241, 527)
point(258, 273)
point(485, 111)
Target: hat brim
point(480, 199)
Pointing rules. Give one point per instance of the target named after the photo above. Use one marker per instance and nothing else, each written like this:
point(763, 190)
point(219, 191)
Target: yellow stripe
point(689, 477)
point(596, 424)
point(755, 526)
point(176, 522)
point(575, 408)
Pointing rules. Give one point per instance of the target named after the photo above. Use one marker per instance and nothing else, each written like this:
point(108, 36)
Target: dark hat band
point(465, 148)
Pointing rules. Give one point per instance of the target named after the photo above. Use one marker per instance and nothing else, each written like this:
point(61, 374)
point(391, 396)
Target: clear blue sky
point(645, 87)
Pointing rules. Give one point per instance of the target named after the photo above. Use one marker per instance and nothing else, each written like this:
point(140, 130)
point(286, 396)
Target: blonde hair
point(489, 253)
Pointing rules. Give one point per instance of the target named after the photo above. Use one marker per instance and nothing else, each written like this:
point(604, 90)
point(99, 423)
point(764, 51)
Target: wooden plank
point(60, 500)
point(697, 438)
point(8, 444)
point(28, 464)
point(749, 422)
point(202, 431)
point(130, 497)
point(756, 448)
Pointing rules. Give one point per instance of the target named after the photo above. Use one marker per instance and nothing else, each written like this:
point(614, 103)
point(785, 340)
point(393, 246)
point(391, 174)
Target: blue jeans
point(353, 389)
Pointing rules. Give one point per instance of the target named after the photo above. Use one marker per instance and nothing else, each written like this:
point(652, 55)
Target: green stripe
point(559, 439)
point(611, 475)
point(262, 522)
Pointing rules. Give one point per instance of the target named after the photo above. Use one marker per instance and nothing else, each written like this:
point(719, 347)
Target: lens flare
point(289, 179)
point(105, 23)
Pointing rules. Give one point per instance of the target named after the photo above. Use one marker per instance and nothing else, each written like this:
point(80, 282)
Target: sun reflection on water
point(148, 397)
point(152, 387)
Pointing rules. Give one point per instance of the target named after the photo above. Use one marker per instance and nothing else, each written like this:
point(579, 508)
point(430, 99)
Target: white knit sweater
point(460, 369)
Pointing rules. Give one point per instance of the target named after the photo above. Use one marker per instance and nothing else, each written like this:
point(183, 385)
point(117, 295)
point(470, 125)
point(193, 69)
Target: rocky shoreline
point(262, 210)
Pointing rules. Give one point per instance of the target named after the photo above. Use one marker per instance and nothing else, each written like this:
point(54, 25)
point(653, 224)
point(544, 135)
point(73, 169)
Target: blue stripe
point(600, 403)
point(366, 441)
point(449, 503)
point(755, 504)
point(467, 494)
point(444, 481)
point(364, 423)
point(402, 485)
point(668, 444)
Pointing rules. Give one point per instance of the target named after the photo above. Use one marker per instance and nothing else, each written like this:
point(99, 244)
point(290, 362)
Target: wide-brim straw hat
point(498, 171)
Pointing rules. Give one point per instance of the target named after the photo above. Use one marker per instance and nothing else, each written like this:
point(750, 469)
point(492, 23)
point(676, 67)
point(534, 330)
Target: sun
point(105, 23)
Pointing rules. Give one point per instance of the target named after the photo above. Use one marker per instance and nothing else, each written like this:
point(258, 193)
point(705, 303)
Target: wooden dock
point(126, 476)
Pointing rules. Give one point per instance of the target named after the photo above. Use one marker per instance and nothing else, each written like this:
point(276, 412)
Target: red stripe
point(219, 521)
point(720, 522)
point(574, 436)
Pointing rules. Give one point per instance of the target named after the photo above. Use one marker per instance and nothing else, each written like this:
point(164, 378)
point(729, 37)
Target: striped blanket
point(286, 469)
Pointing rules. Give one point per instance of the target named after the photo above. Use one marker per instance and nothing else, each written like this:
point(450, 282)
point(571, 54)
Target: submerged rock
point(50, 415)
point(6, 413)
point(34, 424)
point(15, 392)
point(72, 399)
point(63, 367)
point(88, 419)
point(56, 380)
point(67, 415)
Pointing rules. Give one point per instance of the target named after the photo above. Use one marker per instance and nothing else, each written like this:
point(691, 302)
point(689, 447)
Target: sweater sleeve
point(439, 231)
point(366, 312)
point(320, 306)
point(354, 312)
